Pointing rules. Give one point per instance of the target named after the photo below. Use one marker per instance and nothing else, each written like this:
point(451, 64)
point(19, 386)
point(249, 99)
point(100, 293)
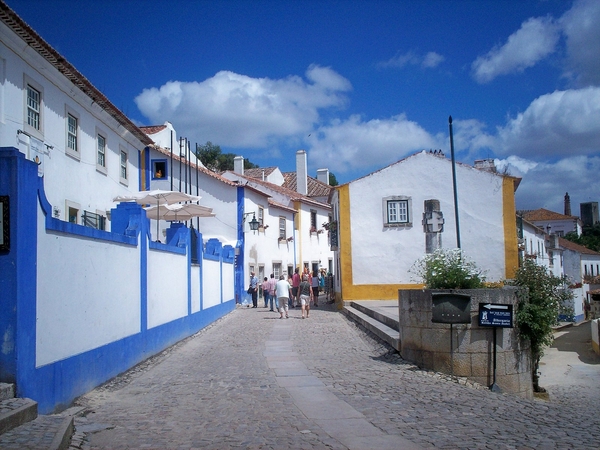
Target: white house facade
point(86, 292)
point(386, 221)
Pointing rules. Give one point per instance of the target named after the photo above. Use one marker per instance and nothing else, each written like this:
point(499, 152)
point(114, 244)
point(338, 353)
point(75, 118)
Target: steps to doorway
point(376, 317)
point(22, 428)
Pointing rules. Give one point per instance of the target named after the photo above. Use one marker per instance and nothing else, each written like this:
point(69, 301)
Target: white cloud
point(427, 61)
point(545, 184)
point(235, 110)
point(563, 122)
point(581, 26)
point(343, 146)
point(536, 39)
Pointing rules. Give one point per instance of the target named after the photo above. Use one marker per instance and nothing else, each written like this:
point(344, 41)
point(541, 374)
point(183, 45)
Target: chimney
point(301, 173)
point(486, 164)
point(238, 165)
point(567, 204)
point(323, 175)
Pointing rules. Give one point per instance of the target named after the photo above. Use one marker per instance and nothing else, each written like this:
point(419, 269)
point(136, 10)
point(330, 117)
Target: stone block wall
point(428, 344)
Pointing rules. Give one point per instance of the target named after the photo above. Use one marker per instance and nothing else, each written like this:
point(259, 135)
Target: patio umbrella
point(156, 197)
point(178, 212)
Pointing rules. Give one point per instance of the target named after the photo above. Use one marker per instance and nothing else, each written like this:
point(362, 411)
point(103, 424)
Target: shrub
point(448, 269)
point(538, 309)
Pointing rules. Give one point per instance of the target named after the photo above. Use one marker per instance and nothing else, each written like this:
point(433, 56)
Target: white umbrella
point(156, 197)
point(178, 212)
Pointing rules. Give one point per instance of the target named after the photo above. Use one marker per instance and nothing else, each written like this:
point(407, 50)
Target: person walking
point(306, 295)
point(254, 289)
point(265, 290)
point(295, 300)
point(271, 284)
point(283, 292)
point(315, 286)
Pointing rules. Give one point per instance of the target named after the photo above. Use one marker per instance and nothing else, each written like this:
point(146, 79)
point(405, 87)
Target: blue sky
point(357, 84)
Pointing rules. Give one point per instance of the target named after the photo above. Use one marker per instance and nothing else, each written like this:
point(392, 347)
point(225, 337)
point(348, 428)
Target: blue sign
point(495, 315)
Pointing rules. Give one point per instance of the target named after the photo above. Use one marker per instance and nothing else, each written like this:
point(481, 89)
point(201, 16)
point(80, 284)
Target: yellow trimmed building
point(385, 221)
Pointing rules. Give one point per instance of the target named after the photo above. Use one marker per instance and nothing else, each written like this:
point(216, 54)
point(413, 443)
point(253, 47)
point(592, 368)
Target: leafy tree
point(590, 237)
point(538, 309)
point(332, 180)
point(214, 159)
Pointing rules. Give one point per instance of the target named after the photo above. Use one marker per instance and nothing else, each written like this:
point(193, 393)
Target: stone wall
point(428, 344)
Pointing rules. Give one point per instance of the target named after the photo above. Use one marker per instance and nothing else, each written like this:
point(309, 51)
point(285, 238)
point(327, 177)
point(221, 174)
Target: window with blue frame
point(159, 169)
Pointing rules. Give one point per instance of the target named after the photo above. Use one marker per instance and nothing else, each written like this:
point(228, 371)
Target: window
point(101, 150)
point(72, 211)
point(33, 107)
point(282, 228)
point(313, 220)
point(397, 211)
point(261, 216)
point(123, 167)
point(72, 133)
point(34, 110)
point(276, 270)
point(159, 169)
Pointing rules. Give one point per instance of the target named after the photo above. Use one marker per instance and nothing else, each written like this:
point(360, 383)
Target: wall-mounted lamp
point(253, 223)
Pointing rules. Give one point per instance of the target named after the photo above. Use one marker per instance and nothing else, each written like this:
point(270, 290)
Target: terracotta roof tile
point(576, 247)
point(152, 129)
point(544, 214)
point(315, 187)
point(258, 172)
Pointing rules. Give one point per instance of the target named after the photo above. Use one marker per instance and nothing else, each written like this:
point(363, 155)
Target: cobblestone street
point(252, 380)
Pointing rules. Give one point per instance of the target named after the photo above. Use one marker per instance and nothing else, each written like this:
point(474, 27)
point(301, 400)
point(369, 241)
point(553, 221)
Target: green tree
point(214, 159)
point(590, 237)
point(332, 180)
point(538, 309)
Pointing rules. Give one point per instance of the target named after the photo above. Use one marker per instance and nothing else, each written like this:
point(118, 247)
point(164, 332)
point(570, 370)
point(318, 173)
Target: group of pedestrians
point(285, 294)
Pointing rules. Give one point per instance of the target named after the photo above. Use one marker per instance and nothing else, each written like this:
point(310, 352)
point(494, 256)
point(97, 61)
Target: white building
point(293, 233)
point(389, 219)
point(86, 294)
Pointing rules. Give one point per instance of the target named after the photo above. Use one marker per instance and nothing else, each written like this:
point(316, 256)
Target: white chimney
point(301, 173)
point(238, 165)
point(323, 175)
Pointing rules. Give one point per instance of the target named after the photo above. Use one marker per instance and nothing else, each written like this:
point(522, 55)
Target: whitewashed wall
point(211, 287)
point(66, 178)
point(167, 287)
point(84, 299)
point(385, 255)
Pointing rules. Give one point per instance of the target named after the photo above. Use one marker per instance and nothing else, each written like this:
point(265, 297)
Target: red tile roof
point(315, 188)
point(544, 214)
point(576, 247)
point(152, 129)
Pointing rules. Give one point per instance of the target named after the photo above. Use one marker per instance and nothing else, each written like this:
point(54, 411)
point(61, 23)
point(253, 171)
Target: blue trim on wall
point(54, 386)
point(239, 267)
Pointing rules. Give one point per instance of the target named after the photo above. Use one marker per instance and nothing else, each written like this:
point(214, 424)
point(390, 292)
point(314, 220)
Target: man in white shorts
point(283, 290)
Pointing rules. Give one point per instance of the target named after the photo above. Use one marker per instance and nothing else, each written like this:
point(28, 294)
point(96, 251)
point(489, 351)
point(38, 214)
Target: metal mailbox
point(451, 308)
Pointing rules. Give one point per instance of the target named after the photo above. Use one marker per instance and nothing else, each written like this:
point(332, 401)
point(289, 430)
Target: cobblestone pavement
point(221, 389)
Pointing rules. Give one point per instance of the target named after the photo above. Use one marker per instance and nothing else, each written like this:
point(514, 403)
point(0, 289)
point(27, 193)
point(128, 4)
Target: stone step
point(14, 412)
point(380, 329)
point(52, 432)
point(392, 322)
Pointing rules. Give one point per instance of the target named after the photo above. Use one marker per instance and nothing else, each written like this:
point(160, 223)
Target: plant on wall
point(448, 269)
point(538, 309)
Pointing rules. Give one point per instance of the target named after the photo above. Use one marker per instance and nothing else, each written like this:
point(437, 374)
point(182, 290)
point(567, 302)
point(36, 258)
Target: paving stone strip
point(251, 380)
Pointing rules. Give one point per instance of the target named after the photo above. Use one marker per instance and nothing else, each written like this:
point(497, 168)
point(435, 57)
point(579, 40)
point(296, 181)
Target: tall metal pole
point(454, 184)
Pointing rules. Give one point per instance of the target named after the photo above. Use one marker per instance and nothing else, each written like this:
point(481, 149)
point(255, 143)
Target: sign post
point(451, 308)
point(495, 315)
